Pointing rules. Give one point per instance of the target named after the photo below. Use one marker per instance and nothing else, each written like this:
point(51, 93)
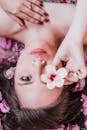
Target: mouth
point(38, 51)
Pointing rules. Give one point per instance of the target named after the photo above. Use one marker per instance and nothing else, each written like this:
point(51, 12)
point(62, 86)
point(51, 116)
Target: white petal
point(59, 82)
point(43, 78)
point(51, 85)
point(50, 69)
point(62, 72)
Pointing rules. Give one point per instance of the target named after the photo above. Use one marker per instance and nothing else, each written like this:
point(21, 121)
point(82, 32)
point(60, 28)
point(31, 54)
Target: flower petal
point(59, 82)
point(4, 107)
point(51, 85)
point(62, 72)
point(44, 78)
point(50, 69)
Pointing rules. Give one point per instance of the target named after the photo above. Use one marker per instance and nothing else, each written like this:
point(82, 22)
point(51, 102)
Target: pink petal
point(51, 85)
point(73, 127)
point(85, 123)
point(62, 72)
point(80, 85)
point(4, 107)
point(59, 82)
point(50, 69)
point(44, 78)
point(84, 97)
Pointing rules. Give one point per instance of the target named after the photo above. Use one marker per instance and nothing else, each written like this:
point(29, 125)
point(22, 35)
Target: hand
point(72, 53)
point(20, 10)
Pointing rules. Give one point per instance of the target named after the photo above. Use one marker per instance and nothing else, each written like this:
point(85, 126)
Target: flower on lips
point(54, 78)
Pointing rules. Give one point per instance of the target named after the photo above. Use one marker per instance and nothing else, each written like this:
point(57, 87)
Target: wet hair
point(66, 110)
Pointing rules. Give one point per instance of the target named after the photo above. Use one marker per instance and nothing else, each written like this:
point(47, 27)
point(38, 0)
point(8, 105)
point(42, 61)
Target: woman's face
point(31, 91)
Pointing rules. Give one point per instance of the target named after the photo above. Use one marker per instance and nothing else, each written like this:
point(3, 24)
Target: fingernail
point(22, 23)
point(46, 20)
point(46, 14)
point(41, 4)
point(40, 22)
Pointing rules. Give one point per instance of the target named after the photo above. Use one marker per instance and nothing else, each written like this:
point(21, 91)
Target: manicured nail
point(46, 14)
point(22, 23)
point(40, 22)
point(46, 20)
point(41, 4)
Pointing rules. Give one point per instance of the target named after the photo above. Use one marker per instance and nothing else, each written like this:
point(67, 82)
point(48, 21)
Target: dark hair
point(66, 110)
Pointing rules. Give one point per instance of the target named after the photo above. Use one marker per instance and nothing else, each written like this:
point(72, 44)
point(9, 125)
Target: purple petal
point(4, 107)
point(84, 97)
point(85, 123)
point(73, 127)
point(80, 85)
point(5, 44)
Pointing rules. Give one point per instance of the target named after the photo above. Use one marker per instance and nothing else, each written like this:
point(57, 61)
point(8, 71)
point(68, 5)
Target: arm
point(78, 28)
point(71, 49)
point(9, 27)
point(63, 12)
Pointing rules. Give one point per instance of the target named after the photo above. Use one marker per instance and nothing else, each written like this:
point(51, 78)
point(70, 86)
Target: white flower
point(54, 78)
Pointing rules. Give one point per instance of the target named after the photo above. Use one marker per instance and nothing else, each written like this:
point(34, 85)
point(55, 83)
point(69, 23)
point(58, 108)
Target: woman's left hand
point(71, 52)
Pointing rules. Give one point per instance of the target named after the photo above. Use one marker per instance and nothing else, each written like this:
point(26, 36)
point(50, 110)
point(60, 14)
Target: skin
point(74, 39)
point(21, 10)
point(34, 93)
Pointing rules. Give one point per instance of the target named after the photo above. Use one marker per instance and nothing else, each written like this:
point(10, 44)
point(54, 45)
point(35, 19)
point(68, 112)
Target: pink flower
point(54, 78)
point(80, 85)
point(5, 44)
point(4, 107)
point(84, 97)
point(73, 127)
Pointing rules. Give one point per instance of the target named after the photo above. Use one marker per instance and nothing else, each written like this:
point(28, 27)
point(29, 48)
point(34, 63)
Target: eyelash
point(26, 78)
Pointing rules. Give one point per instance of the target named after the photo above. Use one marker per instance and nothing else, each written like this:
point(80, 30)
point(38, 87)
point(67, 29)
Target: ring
point(31, 6)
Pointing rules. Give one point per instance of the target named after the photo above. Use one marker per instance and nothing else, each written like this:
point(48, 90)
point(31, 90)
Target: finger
point(83, 73)
point(34, 15)
point(36, 2)
point(36, 8)
point(18, 20)
point(60, 56)
point(67, 82)
point(28, 18)
point(72, 77)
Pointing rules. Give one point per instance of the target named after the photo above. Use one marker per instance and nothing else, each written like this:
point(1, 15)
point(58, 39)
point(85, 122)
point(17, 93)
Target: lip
point(39, 51)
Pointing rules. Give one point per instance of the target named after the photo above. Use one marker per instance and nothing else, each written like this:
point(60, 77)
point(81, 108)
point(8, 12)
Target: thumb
point(57, 60)
point(60, 56)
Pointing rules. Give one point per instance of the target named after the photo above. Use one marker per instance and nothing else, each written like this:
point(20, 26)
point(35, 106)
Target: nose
point(39, 65)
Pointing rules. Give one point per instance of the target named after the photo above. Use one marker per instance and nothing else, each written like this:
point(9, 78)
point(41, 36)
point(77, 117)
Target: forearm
point(78, 29)
point(61, 15)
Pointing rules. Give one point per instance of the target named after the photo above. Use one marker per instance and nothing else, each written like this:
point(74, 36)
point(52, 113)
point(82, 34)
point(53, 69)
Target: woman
point(55, 106)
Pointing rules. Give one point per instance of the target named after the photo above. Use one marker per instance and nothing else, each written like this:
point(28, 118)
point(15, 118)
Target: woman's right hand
point(21, 10)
